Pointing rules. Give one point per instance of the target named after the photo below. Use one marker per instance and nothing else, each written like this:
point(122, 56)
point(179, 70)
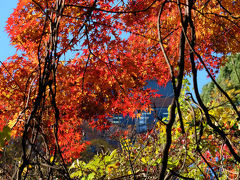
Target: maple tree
point(81, 61)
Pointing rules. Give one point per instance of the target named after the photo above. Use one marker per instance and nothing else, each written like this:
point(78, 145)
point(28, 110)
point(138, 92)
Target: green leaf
point(91, 176)
point(76, 174)
point(5, 135)
point(143, 160)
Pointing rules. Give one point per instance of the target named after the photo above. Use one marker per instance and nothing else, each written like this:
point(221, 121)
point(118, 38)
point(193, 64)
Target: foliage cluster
point(228, 78)
point(82, 61)
point(195, 154)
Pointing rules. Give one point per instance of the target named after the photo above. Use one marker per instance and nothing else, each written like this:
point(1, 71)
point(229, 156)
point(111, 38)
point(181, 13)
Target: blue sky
point(6, 9)
point(6, 50)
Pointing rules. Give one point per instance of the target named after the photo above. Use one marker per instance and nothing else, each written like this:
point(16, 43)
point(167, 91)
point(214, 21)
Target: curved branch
point(194, 71)
point(114, 12)
point(225, 9)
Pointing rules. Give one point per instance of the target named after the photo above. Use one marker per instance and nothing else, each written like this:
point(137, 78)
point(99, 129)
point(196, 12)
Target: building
point(134, 125)
point(148, 119)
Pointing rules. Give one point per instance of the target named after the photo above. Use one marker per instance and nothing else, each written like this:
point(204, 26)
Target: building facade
point(159, 108)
